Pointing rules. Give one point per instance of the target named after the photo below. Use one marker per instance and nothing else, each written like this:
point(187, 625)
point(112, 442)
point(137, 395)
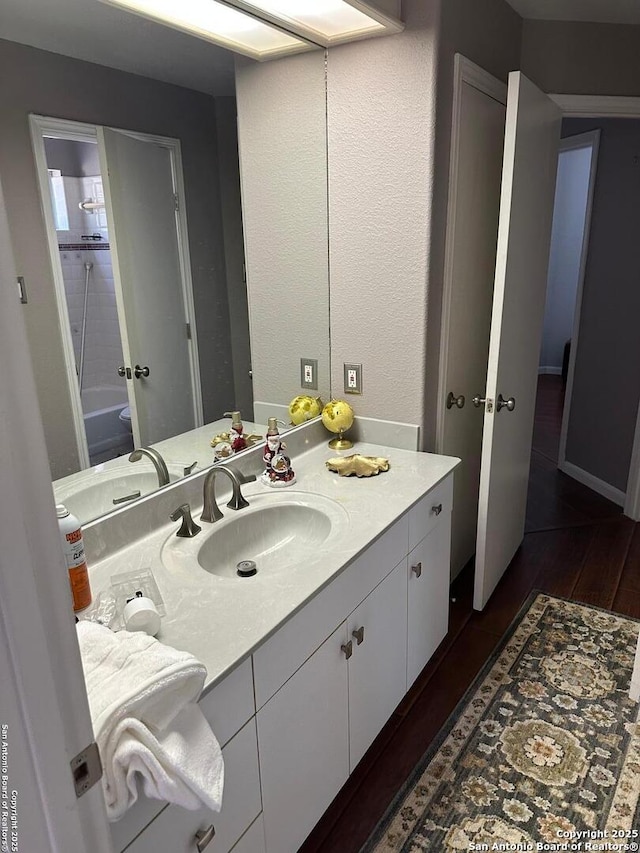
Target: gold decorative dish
point(361, 466)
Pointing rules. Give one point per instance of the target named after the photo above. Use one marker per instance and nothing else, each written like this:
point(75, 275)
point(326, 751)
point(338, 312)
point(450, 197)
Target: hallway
point(577, 545)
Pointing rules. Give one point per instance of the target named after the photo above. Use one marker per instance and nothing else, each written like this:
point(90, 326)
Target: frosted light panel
point(330, 18)
point(216, 22)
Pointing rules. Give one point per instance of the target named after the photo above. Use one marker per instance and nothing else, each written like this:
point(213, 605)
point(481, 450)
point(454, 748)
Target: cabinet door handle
point(204, 837)
point(437, 509)
point(358, 635)
point(347, 648)
point(417, 569)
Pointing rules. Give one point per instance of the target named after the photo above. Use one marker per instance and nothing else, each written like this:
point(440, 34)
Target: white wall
point(572, 187)
point(380, 126)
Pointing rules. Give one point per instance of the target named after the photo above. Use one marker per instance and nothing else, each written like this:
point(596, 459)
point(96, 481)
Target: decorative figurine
point(277, 465)
point(225, 444)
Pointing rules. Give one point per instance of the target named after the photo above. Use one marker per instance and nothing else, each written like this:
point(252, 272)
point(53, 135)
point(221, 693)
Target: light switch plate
point(353, 379)
point(309, 373)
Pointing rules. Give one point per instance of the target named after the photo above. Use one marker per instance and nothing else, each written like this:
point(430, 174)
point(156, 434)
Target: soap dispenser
point(237, 438)
point(278, 471)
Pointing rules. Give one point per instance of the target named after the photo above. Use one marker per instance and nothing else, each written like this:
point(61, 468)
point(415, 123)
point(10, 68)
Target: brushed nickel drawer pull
point(204, 837)
point(417, 569)
point(358, 635)
point(347, 648)
point(437, 509)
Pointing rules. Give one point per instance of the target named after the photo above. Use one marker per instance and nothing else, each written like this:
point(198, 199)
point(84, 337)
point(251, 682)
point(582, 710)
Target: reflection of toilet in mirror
point(125, 417)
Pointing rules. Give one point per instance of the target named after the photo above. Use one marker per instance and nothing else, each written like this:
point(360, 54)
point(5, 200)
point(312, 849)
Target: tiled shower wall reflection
point(103, 344)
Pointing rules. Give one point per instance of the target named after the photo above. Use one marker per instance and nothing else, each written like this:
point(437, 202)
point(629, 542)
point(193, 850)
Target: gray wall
point(581, 58)
point(74, 159)
point(49, 84)
point(488, 32)
point(606, 387)
point(572, 189)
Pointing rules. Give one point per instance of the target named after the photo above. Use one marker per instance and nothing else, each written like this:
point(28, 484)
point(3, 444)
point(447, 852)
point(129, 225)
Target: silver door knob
point(358, 635)
point(140, 371)
point(452, 400)
point(121, 370)
point(204, 837)
point(417, 569)
point(347, 648)
point(479, 401)
point(510, 403)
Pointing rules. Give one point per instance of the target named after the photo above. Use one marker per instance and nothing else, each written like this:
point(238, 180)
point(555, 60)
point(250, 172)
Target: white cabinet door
point(175, 828)
point(378, 666)
point(303, 738)
point(428, 596)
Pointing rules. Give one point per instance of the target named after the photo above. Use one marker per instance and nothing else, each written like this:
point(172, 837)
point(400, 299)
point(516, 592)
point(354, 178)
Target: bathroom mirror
point(227, 326)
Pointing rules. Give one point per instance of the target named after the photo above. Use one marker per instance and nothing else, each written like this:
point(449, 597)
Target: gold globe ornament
point(303, 408)
point(337, 416)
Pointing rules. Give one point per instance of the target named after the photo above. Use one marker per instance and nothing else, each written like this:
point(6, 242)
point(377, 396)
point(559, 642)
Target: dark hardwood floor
point(577, 545)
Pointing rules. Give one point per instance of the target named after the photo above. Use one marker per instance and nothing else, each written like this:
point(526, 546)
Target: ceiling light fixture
point(219, 23)
point(267, 29)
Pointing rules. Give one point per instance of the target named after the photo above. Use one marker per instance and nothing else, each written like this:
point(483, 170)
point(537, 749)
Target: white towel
point(142, 697)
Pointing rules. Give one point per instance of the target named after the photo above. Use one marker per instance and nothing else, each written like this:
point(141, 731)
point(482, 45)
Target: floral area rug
point(543, 752)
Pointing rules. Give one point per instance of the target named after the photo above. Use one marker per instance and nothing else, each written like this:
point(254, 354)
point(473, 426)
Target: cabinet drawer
point(424, 516)
point(175, 828)
point(230, 704)
point(277, 659)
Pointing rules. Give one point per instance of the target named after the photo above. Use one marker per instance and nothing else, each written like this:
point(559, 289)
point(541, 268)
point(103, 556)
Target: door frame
point(82, 132)
point(464, 71)
point(607, 106)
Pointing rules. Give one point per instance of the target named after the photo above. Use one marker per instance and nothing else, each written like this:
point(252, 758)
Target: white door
point(141, 208)
point(44, 712)
point(532, 136)
point(472, 233)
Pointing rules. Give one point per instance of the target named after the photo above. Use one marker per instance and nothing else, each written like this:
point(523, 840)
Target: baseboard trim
point(593, 483)
point(548, 370)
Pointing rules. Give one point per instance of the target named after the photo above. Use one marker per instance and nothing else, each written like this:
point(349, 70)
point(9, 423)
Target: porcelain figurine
point(277, 465)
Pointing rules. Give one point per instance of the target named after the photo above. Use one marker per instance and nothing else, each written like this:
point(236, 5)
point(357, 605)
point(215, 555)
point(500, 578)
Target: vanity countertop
point(223, 620)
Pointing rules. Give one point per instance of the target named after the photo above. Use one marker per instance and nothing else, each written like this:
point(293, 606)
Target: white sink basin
point(277, 532)
point(91, 495)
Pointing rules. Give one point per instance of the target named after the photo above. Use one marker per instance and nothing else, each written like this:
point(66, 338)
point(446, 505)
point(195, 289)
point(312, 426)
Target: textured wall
point(380, 129)
point(283, 166)
point(606, 388)
point(581, 58)
point(49, 84)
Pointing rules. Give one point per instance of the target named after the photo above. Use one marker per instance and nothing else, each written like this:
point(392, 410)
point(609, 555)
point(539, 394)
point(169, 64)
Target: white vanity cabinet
point(295, 719)
point(316, 727)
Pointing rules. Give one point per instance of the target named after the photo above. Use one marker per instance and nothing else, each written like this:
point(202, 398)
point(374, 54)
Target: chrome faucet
point(158, 462)
point(211, 511)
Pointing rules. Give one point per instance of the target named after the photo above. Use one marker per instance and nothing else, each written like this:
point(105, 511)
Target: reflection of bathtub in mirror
point(104, 488)
point(106, 430)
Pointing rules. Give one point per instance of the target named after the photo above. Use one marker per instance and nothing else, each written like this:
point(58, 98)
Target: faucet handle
point(188, 528)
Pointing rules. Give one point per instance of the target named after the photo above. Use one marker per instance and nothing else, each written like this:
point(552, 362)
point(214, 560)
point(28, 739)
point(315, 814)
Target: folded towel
point(142, 697)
